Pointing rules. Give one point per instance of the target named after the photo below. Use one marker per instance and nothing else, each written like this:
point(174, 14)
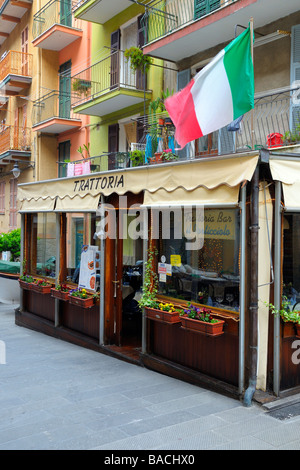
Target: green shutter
point(65, 12)
point(203, 7)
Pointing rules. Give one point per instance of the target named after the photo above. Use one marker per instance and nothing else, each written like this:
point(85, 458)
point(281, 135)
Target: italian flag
point(220, 93)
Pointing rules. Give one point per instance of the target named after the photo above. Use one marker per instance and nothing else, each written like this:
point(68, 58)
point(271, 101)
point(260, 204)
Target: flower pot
point(161, 121)
point(59, 294)
point(79, 302)
point(162, 316)
point(25, 285)
point(211, 329)
point(41, 289)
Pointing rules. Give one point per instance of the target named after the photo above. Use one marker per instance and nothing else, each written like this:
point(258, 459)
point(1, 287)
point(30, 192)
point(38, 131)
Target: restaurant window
point(208, 275)
point(80, 230)
point(291, 259)
point(43, 244)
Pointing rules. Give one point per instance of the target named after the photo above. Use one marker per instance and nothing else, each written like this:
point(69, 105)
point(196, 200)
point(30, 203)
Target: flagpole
point(252, 56)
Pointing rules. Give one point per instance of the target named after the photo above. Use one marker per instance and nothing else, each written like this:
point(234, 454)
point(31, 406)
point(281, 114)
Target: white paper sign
point(87, 276)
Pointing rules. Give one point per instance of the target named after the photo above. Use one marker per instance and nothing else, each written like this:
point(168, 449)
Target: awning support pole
point(242, 290)
point(102, 286)
point(277, 289)
point(253, 317)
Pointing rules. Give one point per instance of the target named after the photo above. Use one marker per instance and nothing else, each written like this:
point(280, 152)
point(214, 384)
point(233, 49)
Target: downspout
point(277, 289)
point(242, 290)
point(253, 308)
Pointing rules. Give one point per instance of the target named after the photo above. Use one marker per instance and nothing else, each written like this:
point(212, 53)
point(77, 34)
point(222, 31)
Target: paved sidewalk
point(55, 395)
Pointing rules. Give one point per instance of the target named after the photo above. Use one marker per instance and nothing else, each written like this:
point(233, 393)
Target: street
point(57, 396)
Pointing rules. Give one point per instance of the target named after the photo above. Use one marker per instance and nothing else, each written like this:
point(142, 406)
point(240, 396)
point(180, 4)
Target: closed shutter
point(65, 90)
point(65, 12)
point(2, 197)
point(113, 145)
point(13, 204)
point(203, 7)
point(115, 63)
point(295, 75)
point(141, 78)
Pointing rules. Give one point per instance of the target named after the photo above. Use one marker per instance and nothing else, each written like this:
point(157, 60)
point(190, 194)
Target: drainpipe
point(242, 290)
point(253, 320)
point(277, 289)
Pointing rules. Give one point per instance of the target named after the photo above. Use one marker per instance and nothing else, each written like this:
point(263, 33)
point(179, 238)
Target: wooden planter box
point(297, 329)
point(288, 329)
point(160, 315)
point(25, 285)
point(211, 329)
point(41, 289)
point(79, 302)
point(59, 294)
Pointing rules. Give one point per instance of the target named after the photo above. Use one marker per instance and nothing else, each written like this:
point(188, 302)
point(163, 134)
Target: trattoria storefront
point(94, 233)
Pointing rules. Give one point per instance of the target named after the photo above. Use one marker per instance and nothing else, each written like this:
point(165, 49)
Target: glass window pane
point(44, 230)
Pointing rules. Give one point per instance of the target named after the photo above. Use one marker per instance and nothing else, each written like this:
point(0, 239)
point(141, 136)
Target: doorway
point(123, 279)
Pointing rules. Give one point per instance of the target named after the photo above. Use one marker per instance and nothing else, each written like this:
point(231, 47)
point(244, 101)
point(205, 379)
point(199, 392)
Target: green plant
point(81, 86)
point(169, 308)
point(150, 285)
point(41, 282)
point(11, 241)
point(26, 278)
point(168, 156)
point(137, 157)
point(138, 60)
point(292, 136)
point(62, 287)
point(197, 313)
point(82, 293)
point(86, 148)
point(284, 312)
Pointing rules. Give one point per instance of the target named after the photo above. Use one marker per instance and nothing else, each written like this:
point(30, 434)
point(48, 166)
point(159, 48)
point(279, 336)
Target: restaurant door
point(123, 278)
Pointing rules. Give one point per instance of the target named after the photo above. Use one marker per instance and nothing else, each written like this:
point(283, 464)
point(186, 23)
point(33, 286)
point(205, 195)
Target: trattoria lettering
point(99, 183)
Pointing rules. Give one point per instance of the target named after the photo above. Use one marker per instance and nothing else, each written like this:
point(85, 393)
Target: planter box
point(297, 329)
point(41, 289)
point(288, 329)
point(58, 294)
point(79, 302)
point(160, 315)
point(25, 285)
point(212, 329)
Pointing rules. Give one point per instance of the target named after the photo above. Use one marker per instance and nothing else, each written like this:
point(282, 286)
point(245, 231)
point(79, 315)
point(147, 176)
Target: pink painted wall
point(79, 52)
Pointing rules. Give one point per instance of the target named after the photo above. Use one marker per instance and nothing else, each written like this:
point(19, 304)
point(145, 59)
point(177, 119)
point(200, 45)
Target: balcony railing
point(53, 105)
point(109, 74)
point(16, 63)
point(162, 18)
point(54, 12)
point(15, 138)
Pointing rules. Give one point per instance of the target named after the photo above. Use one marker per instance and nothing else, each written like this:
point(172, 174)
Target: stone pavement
point(56, 395)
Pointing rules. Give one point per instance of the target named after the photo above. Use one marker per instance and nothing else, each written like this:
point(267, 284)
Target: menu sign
point(87, 276)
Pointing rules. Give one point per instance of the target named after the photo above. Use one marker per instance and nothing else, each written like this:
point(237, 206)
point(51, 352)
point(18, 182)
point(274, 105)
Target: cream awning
point(227, 172)
point(37, 205)
point(77, 204)
point(288, 172)
point(222, 195)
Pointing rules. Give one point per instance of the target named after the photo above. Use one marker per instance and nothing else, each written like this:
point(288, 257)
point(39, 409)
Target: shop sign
point(87, 276)
point(219, 224)
point(100, 183)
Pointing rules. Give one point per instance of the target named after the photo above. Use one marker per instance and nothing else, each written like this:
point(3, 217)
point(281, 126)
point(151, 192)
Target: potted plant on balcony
point(136, 157)
point(60, 291)
point(138, 60)
point(200, 319)
point(81, 86)
point(41, 286)
point(81, 298)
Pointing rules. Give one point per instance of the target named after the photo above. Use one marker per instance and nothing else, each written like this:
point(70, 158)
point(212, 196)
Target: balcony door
point(65, 13)
point(24, 50)
point(65, 90)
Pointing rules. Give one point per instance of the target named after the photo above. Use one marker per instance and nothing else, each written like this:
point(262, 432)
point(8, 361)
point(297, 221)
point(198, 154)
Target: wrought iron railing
point(53, 105)
point(162, 18)
point(16, 63)
point(109, 74)
point(54, 12)
point(15, 138)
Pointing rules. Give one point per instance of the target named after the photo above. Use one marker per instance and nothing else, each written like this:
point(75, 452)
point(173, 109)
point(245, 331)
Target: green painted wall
point(100, 38)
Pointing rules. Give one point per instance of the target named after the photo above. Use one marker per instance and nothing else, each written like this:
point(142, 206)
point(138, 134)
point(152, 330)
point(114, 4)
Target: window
point(2, 197)
point(43, 244)
point(291, 258)
point(13, 204)
point(209, 275)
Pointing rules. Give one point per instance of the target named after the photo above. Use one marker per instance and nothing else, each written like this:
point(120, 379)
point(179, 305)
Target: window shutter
point(183, 78)
point(295, 74)
point(202, 7)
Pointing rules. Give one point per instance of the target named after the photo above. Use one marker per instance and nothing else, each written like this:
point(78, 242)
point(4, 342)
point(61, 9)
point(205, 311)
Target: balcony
point(100, 11)
point(11, 12)
point(182, 29)
point(54, 26)
point(15, 143)
point(276, 125)
point(108, 86)
point(52, 114)
point(15, 72)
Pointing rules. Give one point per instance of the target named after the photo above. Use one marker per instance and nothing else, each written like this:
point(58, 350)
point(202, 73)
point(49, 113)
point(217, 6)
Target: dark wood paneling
point(82, 320)
point(40, 304)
